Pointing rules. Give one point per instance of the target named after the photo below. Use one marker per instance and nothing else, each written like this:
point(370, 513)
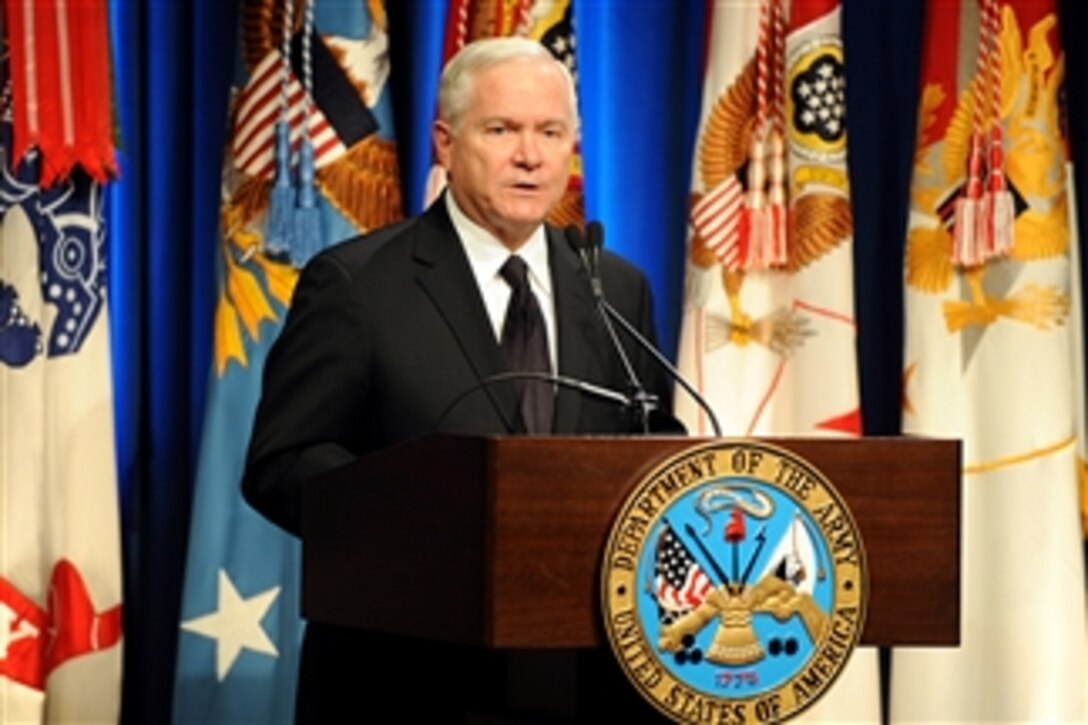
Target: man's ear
point(442, 136)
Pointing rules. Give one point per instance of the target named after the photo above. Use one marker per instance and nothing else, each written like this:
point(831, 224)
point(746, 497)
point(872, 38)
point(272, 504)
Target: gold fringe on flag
point(363, 184)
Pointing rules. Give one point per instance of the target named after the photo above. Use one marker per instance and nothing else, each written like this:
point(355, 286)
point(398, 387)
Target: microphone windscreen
point(575, 239)
point(594, 235)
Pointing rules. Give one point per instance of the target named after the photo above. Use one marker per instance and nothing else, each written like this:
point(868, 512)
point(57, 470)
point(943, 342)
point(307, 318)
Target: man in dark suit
point(392, 336)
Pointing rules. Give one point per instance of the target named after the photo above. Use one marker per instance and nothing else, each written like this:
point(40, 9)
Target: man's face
point(508, 158)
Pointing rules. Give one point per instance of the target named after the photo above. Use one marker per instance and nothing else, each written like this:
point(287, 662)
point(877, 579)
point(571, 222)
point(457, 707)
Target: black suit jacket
point(387, 330)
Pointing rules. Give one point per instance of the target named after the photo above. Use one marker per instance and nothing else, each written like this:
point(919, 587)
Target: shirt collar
point(487, 254)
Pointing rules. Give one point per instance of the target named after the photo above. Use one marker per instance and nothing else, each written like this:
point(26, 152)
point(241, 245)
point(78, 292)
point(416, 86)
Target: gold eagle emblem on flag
point(1024, 77)
point(775, 136)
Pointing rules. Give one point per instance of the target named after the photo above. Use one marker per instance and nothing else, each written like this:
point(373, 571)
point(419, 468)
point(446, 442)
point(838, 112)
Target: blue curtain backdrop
point(172, 64)
point(640, 75)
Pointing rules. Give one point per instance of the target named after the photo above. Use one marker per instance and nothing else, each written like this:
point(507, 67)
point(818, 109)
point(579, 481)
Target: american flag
point(679, 582)
point(253, 139)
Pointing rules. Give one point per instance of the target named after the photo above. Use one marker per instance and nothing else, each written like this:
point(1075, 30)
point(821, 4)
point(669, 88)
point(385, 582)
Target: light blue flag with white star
point(332, 177)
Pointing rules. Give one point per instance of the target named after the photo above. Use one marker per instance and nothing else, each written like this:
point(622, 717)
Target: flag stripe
point(259, 106)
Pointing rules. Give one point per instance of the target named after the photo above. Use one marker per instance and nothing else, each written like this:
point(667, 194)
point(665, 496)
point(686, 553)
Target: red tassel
point(751, 235)
point(1002, 219)
point(969, 232)
point(775, 220)
point(753, 226)
point(1002, 207)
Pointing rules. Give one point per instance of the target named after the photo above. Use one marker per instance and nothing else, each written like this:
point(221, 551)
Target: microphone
point(582, 386)
point(591, 254)
point(588, 249)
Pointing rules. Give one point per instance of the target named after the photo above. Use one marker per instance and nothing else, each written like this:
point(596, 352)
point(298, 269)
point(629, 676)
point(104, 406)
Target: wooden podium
point(511, 531)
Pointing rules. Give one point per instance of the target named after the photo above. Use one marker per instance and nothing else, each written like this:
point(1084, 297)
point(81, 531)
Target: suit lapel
point(446, 277)
point(576, 327)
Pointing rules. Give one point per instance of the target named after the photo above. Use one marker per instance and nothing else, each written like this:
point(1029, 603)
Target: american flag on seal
point(680, 584)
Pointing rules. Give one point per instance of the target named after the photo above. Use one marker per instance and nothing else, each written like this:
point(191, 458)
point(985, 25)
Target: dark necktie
point(525, 346)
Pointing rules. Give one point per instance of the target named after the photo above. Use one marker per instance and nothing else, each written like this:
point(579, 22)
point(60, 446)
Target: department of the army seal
point(734, 584)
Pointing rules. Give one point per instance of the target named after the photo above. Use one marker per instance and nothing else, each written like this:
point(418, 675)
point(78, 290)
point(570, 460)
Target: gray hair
point(459, 75)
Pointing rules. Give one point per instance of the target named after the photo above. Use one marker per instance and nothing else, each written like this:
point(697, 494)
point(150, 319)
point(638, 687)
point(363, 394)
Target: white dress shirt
point(486, 255)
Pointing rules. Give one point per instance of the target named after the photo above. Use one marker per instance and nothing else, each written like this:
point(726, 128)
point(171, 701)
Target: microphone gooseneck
point(588, 249)
point(582, 386)
point(664, 362)
point(594, 243)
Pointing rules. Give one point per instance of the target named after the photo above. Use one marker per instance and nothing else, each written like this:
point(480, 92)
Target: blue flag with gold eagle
point(311, 161)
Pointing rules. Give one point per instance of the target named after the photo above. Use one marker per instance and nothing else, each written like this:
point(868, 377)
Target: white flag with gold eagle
point(769, 307)
point(991, 358)
point(768, 332)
